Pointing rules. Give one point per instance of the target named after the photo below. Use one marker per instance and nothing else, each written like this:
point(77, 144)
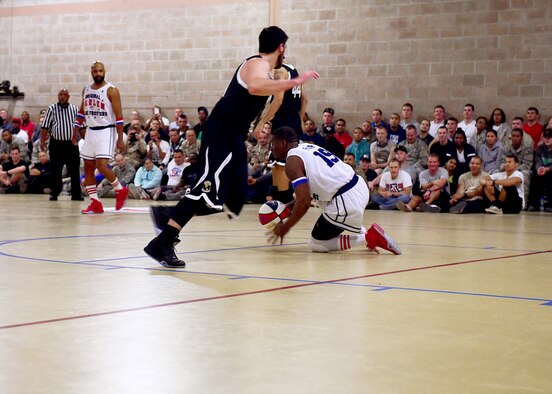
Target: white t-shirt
point(516, 174)
point(433, 127)
point(165, 147)
point(174, 172)
point(396, 185)
point(469, 129)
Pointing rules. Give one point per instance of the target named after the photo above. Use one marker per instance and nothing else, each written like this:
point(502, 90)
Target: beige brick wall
point(372, 53)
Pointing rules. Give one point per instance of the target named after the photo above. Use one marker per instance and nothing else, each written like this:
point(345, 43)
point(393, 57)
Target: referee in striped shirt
point(59, 121)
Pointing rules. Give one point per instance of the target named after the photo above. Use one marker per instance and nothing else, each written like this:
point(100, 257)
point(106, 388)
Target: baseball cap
point(204, 109)
point(365, 157)
point(330, 110)
point(16, 120)
point(547, 133)
point(401, 148)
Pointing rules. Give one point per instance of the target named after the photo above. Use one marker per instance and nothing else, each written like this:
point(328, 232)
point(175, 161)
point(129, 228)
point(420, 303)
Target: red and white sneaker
point(376, 237)
point(120, 198)
point(94, 207)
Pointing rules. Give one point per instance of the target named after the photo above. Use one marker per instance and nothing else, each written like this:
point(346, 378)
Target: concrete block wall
point(371, 53)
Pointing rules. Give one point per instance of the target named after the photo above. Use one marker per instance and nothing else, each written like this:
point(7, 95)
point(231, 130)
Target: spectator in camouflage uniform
point(416, 148)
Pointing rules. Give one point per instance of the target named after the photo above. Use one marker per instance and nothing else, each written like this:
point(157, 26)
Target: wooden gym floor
point(467, 307)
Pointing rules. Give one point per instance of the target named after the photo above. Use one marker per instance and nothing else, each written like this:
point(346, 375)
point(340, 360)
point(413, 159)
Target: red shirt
point(534, 131)
point(344, 139)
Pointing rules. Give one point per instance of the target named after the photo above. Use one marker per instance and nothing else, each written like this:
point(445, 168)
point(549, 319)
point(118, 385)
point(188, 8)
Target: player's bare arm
point(115, 98)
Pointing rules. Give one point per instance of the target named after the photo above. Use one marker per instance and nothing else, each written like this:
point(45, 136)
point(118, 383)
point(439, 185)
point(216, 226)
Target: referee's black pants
point(65, 153)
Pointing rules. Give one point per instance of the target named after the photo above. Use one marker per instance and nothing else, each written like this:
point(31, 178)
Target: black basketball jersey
point(288, 113)
point(237, 108)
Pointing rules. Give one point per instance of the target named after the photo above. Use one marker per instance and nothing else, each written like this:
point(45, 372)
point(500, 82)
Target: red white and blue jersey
point(325, 173)
point(97, 107)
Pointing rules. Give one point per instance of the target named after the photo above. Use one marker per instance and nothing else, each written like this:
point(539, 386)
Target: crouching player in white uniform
point(317, 174)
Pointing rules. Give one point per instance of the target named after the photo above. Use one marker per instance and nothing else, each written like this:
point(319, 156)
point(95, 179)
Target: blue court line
point(546, 302)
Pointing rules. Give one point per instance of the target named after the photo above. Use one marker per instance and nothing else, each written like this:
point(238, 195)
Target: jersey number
point(296, 91)
point(328, 157)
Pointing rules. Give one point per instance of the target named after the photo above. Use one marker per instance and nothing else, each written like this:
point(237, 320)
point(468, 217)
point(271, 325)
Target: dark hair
point(491, 131)
point(286, 133)
point(15, 147)
point(482, 117)
point(453, 119)
point(341, 120)
point(178, 151)
point(182, 116)
point(512, 156)
point(470, 105)
point(379, 110)
point(439, 106)
point(491, 122)
point(533, 109)
point(518, 118)
point(520, 131)
point(408, 105)
point(271, 38)
point(411, 127)
point(461, 132)
point(204, 109)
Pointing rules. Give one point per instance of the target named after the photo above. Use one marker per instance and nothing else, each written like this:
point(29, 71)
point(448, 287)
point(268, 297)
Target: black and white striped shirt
point(60, 121)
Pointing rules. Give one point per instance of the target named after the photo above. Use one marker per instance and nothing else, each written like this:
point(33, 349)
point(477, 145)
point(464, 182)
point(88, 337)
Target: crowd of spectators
point(437, 164)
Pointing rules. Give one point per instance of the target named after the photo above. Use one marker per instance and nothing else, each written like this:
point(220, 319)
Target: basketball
point(273, 212)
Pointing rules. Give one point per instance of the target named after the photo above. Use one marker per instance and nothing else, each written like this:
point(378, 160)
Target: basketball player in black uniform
point(223, 181)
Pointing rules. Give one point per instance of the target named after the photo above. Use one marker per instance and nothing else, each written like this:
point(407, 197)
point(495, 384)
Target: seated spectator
point(380, 151)
point(451, 166)
point(158, 150)
point(310, 136)
point(432, 196)
point(175, 123)
point(37, 149)
point(17, 132)
point(27, 125)
point(40, 175)
point(155, 125)
point(439, 119)
point(395, 133)
point(517, 123)
point(134, 119)
point(377, 119)
point(490, 153)
point(541, 181)
point(423, 134)
point(463, 152)
point(136, 146)
point(331, 144)
point(480, 137)
point(175, 169)
point(525, 156)
point(183, 125)
point(147, 179)
point(38, 126)
point(351, 160)
point(259, 155)
point(468, 122)
point(452, 125)
point(125, 173)
point(188, 179)
point(416, 148)
point(504, 190)
point(442, 146)
point(14, 173)
point(395, 186)
point(202, 115)
point(9, 140)
point(163, 122)
point(368, 133)
point(408, 117)
point(175, 142)
point(341, 133)
point(5, 122)
point(469, 194)
point(497, 122)
point(359, 147)
point(364, 166)
point(191, 144)
point(532, 127)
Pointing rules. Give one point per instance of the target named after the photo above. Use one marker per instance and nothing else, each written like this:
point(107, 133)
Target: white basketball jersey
point(97, 107)
point(326, 173)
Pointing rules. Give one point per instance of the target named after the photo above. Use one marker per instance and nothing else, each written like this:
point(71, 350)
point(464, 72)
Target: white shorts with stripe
point(346, 210)
point(99, 144)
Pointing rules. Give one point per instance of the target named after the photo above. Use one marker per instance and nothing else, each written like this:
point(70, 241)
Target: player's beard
point(99, 79)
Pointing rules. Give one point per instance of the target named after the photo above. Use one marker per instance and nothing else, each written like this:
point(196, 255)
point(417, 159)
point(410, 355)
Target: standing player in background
point(222, 184)
point(101, 108)
point(317, 174)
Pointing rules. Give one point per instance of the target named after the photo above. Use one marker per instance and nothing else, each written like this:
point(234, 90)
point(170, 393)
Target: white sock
point(341, 242)
point(92, 192)
point(116, 184)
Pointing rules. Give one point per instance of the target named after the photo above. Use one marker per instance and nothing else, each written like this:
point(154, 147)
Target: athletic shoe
point(120, 198)
point(163, 253)
point(401, 206)
point(94, 207)
point(156, 193)
point(494, 210)
point(459, 207)
point(429, 208)
point(160, 216)
point(376, 237)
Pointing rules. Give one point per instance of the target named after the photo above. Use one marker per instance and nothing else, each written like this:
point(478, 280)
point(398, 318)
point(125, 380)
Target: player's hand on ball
point(272, 238)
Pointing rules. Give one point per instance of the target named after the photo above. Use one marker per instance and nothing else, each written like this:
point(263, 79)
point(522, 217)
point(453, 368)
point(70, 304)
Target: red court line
point(273, 289)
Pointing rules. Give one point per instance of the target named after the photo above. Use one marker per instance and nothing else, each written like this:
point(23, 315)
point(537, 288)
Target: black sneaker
point(163, 253)
point(459, 207)
point(160, 216)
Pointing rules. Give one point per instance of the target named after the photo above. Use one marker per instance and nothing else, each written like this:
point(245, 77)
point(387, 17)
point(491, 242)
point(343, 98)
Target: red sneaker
point(376, 237)
point(94, 207)
point(120, 198)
